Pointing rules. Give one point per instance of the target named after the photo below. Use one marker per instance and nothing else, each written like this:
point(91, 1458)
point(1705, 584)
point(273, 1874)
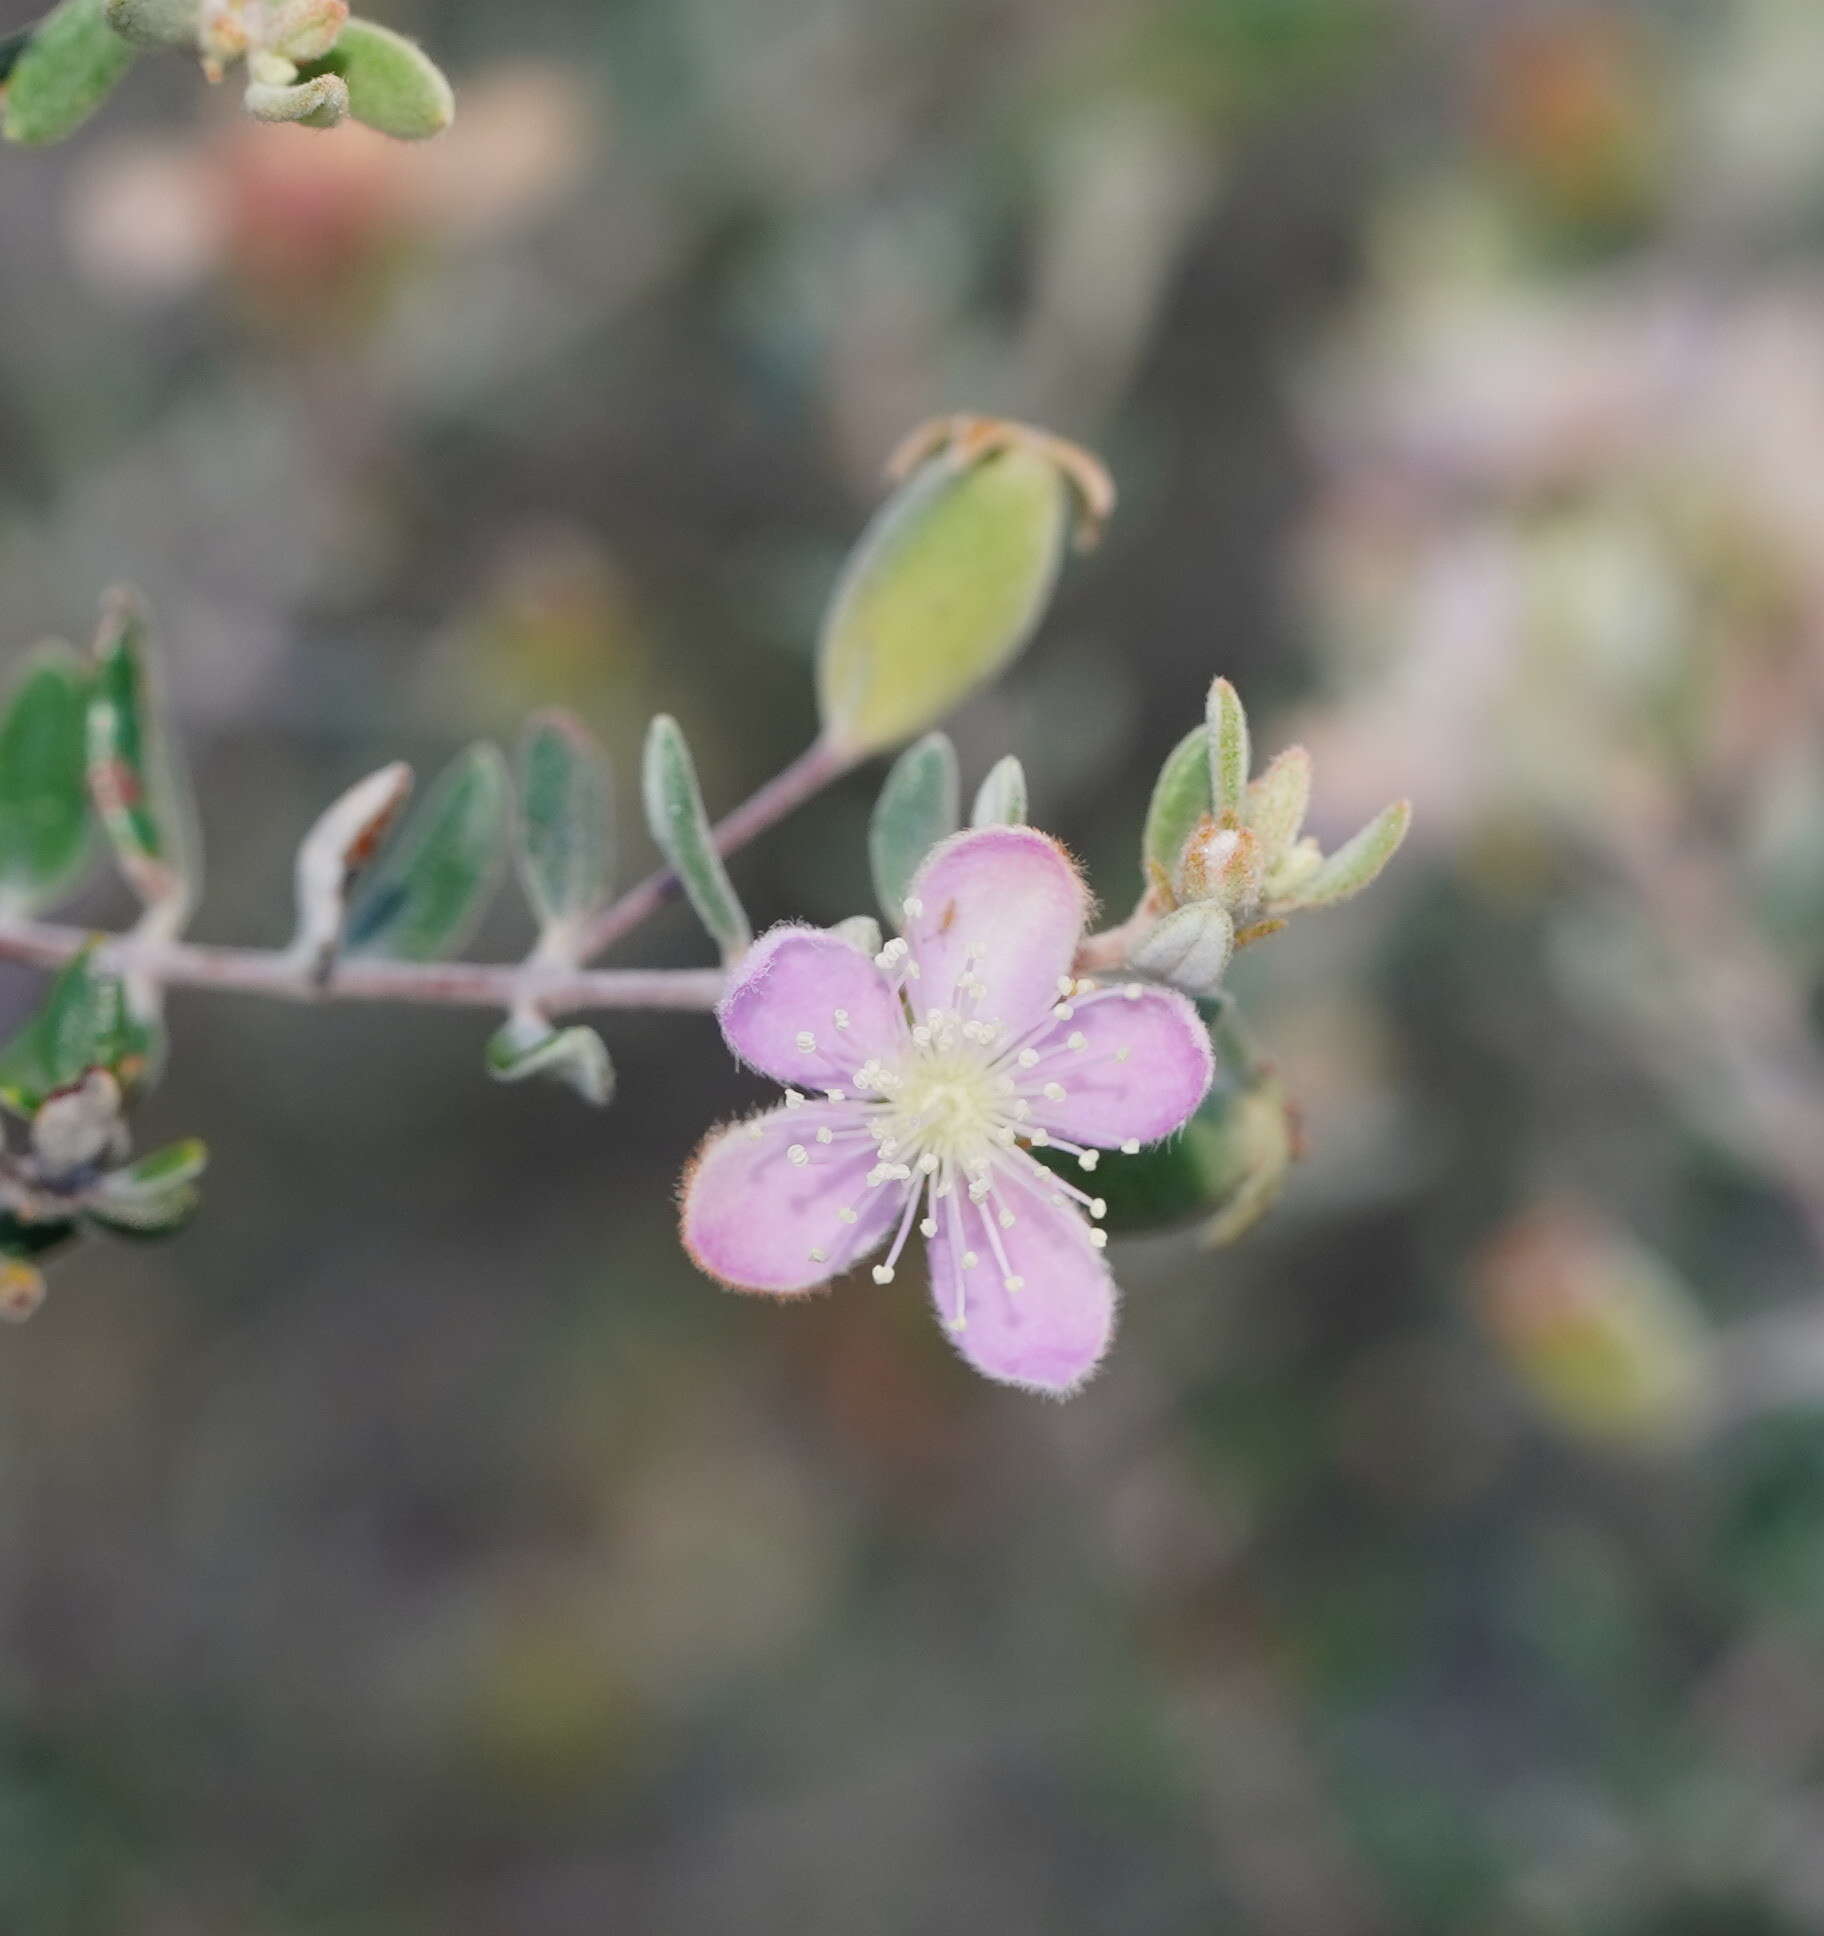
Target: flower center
point(947, 1101)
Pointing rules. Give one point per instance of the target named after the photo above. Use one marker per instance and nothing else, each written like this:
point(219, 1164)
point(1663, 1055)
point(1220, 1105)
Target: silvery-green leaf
point(153, 1196)
point(44, 801)
point(1277, 802)
point(942, 591)
point(140, 789)
point(392, 83)
point(156, 23)
point(576, 1056)
point(1356, 863)
point(674, 813)
point(1190, 948)
point(345, 838)
point(71, 63)
point(563, 831)
point(1226, 722)
point(318, 103)
point(861, 932)
point(1000, 801)
point(84, 1022)
point(423, 899)
point(918, 807)
point(1181, 800)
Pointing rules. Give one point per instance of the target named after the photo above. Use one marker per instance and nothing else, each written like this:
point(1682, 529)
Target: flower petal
point(805, 1007)
point(1005, 904)
point(1050, 1331)
point(1142, 1067)
point(753, 1217)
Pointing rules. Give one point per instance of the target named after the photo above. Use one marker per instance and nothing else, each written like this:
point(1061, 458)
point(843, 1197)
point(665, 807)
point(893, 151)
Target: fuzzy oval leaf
point(335, 852)
point(918, 807)
point(1181, 799)
point(679, 825)
point(577, 1057)
point(432, 885)
point(1000, 800)
point(1358, 861)
point(44, 801)
point(392, 83)
point(563, 843)
point(84, 1022)
point(1226, 723)
point(156, 23)
point(942, 591)
point(1277, 802)
point(1190, 948)
point(71, 64)
point(140, 789)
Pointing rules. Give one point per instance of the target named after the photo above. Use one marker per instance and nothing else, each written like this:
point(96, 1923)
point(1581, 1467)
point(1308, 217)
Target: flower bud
point(950, 578)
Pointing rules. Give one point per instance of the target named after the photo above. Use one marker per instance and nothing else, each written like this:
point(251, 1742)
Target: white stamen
point(883, 1273)
point(914, 906)
point(806, 1041)
point(1131, 1147)
point(826, 1134)
point(1088, 1159)
point(798, 1154)
point(841, 1018)
point(1076, 1039)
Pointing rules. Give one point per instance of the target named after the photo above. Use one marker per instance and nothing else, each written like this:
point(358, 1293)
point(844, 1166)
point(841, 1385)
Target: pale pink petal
point(1005, 905)
point(804, 1007)
point(1047, 1334)
point(1130, 1068)
point(753, 1217)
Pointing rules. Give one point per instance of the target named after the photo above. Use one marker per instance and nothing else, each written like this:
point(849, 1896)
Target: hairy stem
point(254, 971)
point(807, 775)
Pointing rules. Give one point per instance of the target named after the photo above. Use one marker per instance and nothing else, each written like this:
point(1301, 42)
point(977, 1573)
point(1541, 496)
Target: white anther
point(1076, 1039)
point(913, 971)
point(826, 1134)
point(798, 1154)
point(1013, 1283)
point(818, 1256)
point(1131, 1147)
point(883, 1273)
point(1063, 1011)
point(928, 1162)
point(970, 1260)
point(1029, 1058)
point(1066, 985)
point(1041, 1139)
point(1006, 1220)
point(1053, 1092)
point(846, 1215)
point(841, 1018)
point(1122, 1054)
point(927, 1227)
point(1089, 1159)
point(793, 1100)
point(914, 906)
point(1133, 991)
point(1099, 1238)
point(806, 1041)
point(1098, 1206)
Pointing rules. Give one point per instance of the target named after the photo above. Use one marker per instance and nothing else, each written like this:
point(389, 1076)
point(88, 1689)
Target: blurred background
point(418, 1545)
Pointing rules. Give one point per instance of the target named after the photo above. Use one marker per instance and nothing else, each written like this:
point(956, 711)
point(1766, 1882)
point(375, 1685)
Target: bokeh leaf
point(71, 63)
point(432, 885)
point(942, 591)
point(563, 844)
point(674, 813)
point(140, 789)
point(154, 1196)
point(392, 83)
point(334, 853)
point(84, 1022)
point(44, 802)
point(576, 1056)
point(918, 806)
point(1000, 800)
point(1357, 863)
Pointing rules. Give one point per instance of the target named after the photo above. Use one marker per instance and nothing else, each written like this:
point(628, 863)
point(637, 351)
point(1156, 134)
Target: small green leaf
point(44, 802)
point(393, 84)
point(918, 807)
point(1190, 948)
point(156, 23)
point(563, 832)
point(139, 788)
point(1226, 722)
point(432, 885)
point(333, 855)
point(153, 1197)
point(85, 1022)
point(576, 1056)
point(1277, 802)
point(944, 588)
point(1358, 861)
point(69, 66)
point(1181, 799)
point(38, 1237)
point(1000, 801)
point(674, 813)
point(318, 103)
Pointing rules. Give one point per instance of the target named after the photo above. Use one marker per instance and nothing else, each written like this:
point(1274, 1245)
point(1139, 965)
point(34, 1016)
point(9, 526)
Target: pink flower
point(920, 1081)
